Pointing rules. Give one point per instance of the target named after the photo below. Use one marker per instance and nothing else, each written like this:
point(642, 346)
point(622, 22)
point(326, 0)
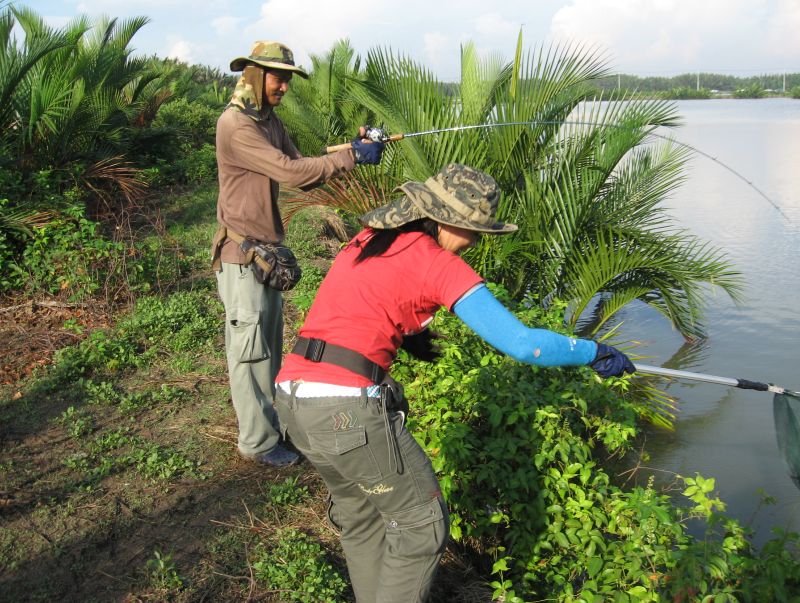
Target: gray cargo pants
point(253, 343)
point(385, 498)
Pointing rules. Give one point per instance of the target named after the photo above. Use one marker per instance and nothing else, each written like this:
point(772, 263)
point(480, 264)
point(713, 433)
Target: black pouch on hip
point(272, 265)
point(393, 395)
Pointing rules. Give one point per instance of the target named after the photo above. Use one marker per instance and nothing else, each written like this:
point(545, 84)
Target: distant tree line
point(708, 81)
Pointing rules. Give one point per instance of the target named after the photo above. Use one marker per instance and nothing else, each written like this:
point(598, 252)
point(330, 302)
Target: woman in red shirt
point(346, 416)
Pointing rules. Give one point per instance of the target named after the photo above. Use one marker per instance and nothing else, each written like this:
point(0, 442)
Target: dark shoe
point(277, 457)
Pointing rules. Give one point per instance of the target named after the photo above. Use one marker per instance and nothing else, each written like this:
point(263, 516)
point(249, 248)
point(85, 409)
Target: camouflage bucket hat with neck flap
point(249, 91)
point(457, 195)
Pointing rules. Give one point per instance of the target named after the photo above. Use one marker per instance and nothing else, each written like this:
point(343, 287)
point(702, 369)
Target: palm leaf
point(355, 193)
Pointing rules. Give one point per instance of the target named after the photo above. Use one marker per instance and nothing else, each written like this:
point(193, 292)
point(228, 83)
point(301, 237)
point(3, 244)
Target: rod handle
point(346, 145)
point(337, 147)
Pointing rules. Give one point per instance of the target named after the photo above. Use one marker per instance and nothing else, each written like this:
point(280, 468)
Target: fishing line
point(380, 135)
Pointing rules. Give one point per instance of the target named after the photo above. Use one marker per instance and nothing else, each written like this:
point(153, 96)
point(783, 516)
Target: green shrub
point(162, 572)
point(101, 351)
point(183, 321)
point(105, 393)
point(196, 165)
point(118, 450)
point(11, 275)
point(751, 91)
point(70, 254)
point(517, 448)
point(189, 121)
point(795, 92)
point(186, 165)
point(686, 93)
point(296, 566)
point(178, 148)
point(304, 234)
point(302, 296)
point(287, 492)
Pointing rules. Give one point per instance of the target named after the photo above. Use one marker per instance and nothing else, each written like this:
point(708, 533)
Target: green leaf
point(594, 566)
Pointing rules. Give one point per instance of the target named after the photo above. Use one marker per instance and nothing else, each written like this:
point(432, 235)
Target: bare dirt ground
point(32, 331)
point(63, 539)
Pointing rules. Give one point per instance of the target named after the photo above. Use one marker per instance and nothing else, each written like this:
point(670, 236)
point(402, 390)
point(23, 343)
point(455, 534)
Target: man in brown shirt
point(255, 156)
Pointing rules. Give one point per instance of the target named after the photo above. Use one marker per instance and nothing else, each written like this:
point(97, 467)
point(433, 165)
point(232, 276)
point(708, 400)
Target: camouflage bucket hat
point(269, 54)
point(457, 195)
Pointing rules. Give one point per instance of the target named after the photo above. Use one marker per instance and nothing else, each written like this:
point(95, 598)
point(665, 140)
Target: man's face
point(276, 83)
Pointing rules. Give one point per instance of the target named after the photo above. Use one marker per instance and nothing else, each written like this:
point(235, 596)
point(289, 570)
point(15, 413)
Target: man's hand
point(367, 151)
point(610, 362)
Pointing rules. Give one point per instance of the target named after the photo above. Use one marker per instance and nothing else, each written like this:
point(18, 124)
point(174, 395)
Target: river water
point(720, 432)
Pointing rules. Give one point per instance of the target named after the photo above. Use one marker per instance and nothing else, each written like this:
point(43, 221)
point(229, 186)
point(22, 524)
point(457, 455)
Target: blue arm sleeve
point(484, 314)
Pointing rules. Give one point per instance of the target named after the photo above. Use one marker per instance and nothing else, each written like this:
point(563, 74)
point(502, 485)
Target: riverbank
point(120, 479)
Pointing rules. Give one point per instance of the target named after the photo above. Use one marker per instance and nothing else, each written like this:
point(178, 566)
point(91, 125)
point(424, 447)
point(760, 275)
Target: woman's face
point(456, 239)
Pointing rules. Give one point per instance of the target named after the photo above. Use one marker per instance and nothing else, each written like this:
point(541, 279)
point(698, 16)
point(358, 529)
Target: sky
point(639, 37)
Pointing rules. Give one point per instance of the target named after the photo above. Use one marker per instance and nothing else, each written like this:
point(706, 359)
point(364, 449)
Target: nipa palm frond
point(355, 193)
point(114, 173)
point(21, 221)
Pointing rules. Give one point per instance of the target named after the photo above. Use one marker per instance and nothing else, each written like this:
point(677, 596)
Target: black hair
point(382, 239)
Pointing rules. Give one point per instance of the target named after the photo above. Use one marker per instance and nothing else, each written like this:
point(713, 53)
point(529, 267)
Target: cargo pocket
point(248, 342)
point(348, 452)
point(420, 531)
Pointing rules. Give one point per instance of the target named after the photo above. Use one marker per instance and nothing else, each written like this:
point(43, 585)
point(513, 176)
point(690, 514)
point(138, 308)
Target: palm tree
point(320, 111)
point(578, 174)
point(85, 84)
point(592, 223)
point(16, 66)
point(72, 95)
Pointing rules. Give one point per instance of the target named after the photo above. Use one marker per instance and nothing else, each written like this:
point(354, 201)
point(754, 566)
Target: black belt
point(318, 350)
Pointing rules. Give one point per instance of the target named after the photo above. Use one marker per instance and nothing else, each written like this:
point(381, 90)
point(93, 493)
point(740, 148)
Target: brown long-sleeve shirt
point(253, 158)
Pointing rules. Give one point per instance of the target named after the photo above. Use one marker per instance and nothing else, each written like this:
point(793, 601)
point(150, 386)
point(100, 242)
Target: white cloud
point(647, 37)
point(56, 21)
point(182, 50)
point(708, 35)
point(494, 25)
point(781, 32)
point(310, 26)
point(225, 25)
point(436, 47)
point(117, 7)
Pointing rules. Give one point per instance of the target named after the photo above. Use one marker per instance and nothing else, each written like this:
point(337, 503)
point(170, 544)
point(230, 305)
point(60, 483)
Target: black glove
point(610, 362)
point(421, 345)
point(367, 152)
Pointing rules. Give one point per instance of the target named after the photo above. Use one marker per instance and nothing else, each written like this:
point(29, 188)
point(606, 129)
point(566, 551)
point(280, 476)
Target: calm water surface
point(727, 433)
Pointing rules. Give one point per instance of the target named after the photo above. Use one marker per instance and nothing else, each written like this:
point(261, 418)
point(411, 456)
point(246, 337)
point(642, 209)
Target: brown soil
point(31, 331)
point(62, 541)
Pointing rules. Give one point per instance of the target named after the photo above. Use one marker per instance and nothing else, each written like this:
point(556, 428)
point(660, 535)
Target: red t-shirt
point(368, 307)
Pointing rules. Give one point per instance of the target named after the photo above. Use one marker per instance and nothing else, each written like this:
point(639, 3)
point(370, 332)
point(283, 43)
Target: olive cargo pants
point(385, 498)
point(253, 345)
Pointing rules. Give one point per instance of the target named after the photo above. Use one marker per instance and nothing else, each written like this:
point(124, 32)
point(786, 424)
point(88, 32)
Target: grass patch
point(119, 477)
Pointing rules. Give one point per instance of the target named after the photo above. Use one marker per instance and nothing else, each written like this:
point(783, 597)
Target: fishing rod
point(376, 134)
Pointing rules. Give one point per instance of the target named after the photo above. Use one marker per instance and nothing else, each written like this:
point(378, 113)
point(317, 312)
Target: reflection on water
point(727, 433)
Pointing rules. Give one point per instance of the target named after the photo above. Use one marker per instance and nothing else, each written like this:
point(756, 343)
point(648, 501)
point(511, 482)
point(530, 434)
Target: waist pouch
point(393, 396)
point(273, 265)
